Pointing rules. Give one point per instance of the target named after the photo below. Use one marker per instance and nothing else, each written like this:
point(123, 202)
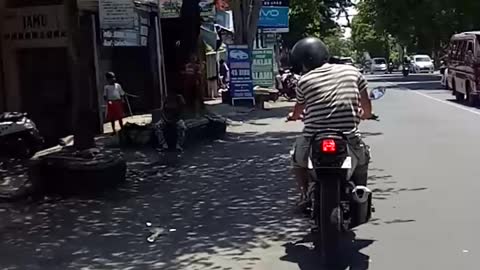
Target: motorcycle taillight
point(329, 146)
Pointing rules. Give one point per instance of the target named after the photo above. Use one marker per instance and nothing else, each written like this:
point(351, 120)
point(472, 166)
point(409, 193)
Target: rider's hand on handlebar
point(292, 118)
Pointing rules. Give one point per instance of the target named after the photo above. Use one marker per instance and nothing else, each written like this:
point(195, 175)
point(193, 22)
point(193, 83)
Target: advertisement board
point(240, 64)
point(274, 16)
point(262, 67)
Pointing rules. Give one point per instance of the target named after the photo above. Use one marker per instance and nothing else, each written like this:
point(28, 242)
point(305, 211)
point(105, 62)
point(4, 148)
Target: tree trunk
point(189, 85)
point(245, 17)
point(78, 51)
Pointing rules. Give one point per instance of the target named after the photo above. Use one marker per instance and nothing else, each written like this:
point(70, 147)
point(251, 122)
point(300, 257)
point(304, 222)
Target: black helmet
point(310, 53)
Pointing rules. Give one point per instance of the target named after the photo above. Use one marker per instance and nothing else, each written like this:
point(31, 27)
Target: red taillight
point(329, 146)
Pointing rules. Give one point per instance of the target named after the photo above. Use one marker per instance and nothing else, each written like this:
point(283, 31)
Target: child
point(114, 97)
point(171, 114)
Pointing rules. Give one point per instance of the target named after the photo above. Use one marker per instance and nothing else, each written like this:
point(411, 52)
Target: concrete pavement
point(227, 205)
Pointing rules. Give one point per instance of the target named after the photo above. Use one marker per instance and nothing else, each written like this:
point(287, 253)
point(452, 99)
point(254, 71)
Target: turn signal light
point(329, 146)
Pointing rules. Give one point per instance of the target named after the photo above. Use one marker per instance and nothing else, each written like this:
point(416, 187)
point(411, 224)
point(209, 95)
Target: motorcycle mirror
point(377, 93)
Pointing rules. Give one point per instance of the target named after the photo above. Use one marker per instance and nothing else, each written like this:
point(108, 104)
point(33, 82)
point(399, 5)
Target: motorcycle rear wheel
point(328, 220)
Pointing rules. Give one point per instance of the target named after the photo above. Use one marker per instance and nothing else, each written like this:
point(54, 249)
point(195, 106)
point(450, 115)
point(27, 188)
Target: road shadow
point(223, 200)
point(351, 256)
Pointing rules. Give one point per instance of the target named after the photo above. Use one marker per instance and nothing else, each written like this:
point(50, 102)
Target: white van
point(463, 65)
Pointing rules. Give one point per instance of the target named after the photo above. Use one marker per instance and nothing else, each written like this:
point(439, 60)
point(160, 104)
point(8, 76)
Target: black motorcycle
point(406, 70)
point(337, 203)
point(289, 82)
point(19, 136)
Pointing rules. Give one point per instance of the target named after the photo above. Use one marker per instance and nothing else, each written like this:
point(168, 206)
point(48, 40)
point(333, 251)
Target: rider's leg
point(362, 153)
point(300, 165)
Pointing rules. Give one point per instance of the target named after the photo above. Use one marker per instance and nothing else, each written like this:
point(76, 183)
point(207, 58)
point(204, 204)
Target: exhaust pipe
point(361, 194)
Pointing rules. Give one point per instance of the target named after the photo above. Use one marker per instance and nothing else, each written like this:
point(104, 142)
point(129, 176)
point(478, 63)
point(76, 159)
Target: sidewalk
point(14, 173)
point(224, 205)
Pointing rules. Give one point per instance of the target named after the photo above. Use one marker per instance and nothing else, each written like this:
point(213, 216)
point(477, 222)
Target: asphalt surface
point(227, 205)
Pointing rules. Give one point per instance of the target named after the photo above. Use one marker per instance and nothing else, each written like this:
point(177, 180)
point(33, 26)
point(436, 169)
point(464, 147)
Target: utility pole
point(78, 51)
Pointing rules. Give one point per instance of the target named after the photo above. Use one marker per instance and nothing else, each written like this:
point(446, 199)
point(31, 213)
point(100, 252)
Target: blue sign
point(274, 19)
point(240, 64)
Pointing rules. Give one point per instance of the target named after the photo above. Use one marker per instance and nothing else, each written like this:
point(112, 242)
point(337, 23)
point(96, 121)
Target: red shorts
point(114, 110)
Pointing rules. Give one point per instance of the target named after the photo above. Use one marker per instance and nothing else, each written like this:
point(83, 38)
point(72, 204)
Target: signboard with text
point(170, 8)
point(240, 64)
point(262, 67)
point(33, 27)
point(274, 16)
point(116, 14)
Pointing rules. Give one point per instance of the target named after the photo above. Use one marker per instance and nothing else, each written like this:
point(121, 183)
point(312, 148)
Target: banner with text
point(274, 16)
point(262, 67)
point(116, 14)
point(240, 64)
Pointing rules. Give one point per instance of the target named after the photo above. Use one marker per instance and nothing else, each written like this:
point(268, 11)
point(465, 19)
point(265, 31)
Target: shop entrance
point(45, 90)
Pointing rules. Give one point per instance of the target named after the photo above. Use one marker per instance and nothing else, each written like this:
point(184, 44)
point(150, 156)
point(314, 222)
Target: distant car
point(238, 55)
point(376, 65)
point(422, 63)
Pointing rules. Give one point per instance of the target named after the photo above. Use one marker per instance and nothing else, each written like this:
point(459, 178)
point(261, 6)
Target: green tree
point(425, 26)
point(337, 44)
point(314, 18)
point(366, 37)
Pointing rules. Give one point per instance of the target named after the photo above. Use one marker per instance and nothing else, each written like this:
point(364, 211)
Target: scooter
point(337, 203)
point(19, 136)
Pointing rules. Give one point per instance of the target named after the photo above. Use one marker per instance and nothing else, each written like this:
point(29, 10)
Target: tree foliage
point(425, 26)
point(314, 18)
point(337, 44)
point(366, 37)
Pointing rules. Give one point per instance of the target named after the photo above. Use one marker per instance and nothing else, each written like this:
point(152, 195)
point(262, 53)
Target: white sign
point(39, 26)
point(117, 14)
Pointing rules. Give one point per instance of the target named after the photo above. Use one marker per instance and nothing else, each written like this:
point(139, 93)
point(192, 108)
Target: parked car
point(376, 65)
point(463, 67)
point(422, 63)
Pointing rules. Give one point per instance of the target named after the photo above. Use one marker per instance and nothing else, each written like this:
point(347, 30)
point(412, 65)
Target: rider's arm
point(300, 105)
point(365, 101)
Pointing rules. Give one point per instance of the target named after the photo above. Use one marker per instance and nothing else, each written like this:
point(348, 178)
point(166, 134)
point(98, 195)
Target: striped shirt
point(331, 95)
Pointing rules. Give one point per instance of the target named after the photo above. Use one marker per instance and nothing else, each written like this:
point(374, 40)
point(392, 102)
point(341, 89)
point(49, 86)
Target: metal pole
point(159, 61)
point(162, 51)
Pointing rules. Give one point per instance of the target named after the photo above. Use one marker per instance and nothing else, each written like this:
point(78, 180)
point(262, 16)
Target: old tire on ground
point(67, 175)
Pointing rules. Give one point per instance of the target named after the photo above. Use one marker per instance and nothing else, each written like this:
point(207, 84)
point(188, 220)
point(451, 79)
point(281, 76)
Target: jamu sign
point(39, 26)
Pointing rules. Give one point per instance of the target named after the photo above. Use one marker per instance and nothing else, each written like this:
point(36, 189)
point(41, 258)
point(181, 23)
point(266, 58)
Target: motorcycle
point(289, 82)
point(390, 68)
point(406, 70)
point(336, 204)
point(19, 136)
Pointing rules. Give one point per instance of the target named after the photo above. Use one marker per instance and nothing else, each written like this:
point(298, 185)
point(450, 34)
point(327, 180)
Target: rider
point(329, 96)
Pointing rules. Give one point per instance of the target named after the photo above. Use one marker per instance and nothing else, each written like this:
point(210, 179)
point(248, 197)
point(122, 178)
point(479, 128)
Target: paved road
point(228, 204)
